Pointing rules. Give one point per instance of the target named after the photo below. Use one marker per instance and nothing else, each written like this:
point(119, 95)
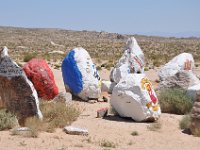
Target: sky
point(147, 17)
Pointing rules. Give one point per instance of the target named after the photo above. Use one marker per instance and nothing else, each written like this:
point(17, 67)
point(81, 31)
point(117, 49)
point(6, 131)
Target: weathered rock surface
point(64, 97)
point(195, 115)
point(75, 130)
point(16, 91)
point(182, 79)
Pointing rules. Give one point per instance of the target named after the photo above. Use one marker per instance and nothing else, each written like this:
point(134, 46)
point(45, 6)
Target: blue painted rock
point(80, 75)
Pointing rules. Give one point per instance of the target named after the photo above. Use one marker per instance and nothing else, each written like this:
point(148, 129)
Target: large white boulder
point(179, 63)
point(134, 97)
point(80, 75)
point(132, 61)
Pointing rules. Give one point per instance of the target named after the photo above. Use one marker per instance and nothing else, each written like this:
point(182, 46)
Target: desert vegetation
point(104, 47)
point(56, 115)
point(175, 100)
point(7, 120)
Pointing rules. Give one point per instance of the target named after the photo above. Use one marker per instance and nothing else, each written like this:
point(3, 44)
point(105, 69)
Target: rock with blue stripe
point(80, 75)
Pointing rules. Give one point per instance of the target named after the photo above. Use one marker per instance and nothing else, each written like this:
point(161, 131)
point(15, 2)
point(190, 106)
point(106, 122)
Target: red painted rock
point(38, 71)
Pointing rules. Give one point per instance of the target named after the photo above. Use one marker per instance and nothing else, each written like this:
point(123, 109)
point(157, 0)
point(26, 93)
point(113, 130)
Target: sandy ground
point(110, 129)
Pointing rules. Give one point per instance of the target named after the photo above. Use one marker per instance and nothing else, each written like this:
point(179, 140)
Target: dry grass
point(197, 132)
point(107, 144)
point(56, 115)
point(185, 122)
point(155, 126)
point(101, 45)
point(7, 120)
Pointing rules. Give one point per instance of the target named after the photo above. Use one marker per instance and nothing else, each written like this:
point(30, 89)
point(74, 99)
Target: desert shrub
point(103, 65)
point(57, 66)
point(7, 120)
point(98, 67)
point(185, 122)
point(146, 69)
point(156, 63)
point(154, 126)
point(196, 132)
point(134, 133)
point(174, 100)
point(46, 56)
point(108, 66)
point(56, 115)
point(106, 143)
point(29, 56)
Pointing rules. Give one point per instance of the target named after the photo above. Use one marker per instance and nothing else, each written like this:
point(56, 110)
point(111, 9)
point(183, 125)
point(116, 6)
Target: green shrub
point(185, 122)
point(57, 66)
point(174, 101)
point(146, 69)
point(7, 120)
point(29, 56)
point(134, 133)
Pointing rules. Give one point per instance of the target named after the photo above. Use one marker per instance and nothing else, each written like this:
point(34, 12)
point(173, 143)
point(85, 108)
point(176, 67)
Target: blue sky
point(151, 17)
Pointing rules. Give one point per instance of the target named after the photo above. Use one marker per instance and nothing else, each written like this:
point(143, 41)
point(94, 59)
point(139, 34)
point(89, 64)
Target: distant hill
point(101, 45)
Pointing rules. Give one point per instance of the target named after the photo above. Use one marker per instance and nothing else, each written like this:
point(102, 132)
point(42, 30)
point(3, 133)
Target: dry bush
point(197, 132)
point(29, 56)
point(7, 120)
point(108, 144)
point(134, 133)
point(155, 126)
point(185, 122)
point(56, 115)
point(175, 101)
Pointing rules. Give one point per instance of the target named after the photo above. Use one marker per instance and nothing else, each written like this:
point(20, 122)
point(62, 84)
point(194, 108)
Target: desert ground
point(111, 129)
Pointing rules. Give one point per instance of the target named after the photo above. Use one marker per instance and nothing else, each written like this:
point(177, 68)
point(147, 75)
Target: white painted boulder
point(132, 61)
point(179, 63)
point(134, 97)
